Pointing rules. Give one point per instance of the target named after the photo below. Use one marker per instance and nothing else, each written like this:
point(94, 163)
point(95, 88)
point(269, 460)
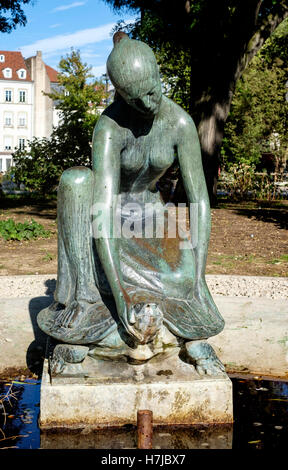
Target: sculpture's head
point(134, 72)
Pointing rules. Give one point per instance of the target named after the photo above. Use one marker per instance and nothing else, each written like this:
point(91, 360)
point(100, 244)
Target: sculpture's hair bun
point(118, 36)
point(130, 61)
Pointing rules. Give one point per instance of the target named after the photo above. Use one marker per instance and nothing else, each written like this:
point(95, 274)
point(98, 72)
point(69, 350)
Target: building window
point(8, 119)
point(2, 58)
point(7, 73)
point(7, 143)
point(22, 96)
point(8, 163)
point(22, 120)
point(21, 73)
point(21, 144)
point(8, 96)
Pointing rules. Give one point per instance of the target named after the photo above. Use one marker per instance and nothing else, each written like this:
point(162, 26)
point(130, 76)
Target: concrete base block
point(113, 393)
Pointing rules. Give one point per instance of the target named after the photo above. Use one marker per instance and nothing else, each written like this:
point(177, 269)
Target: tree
point(221, 38)
point(38, 167)
point(258, 114)
point(175, 75)
point(275, 49)
point(258, 119)
point(12, 14)
point(77, 96)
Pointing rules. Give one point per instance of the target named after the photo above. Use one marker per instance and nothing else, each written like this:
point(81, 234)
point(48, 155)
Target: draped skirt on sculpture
point(157, 268)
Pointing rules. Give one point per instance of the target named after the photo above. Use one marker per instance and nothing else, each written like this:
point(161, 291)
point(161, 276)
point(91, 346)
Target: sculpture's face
point(133, 70)
point(144, 96)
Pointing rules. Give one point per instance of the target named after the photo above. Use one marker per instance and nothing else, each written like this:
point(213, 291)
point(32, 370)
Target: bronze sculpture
point(132, 297)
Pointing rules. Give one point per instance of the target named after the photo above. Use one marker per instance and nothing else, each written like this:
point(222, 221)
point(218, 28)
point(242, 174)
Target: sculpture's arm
point(190, 162)
point(106, 167)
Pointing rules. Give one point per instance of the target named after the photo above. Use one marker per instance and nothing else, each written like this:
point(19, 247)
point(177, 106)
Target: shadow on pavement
point(36, 351)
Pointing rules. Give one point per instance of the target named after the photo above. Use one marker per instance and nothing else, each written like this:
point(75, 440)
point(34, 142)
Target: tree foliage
point(258, 121)
point(12, 14)
point(219, 39)
point(77, 96)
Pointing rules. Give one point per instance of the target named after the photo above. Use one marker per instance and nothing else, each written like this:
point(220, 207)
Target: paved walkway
point(235, 286)
point(255, 338)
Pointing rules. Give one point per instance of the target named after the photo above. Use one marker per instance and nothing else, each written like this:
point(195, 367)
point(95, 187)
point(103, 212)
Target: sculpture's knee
point(75, 189)
point(76, 176)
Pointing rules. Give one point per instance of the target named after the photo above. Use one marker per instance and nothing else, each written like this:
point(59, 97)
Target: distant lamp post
point(106, 80)
point(286, 96)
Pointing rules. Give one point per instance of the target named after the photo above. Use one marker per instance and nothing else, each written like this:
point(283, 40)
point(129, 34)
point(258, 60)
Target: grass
point(263, 204)
point(231, 262)
point(232, 248)
point(48, 257)
point(279, 260)
point(228, 259)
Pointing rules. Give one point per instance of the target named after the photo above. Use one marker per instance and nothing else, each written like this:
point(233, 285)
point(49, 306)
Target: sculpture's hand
point(127, 315)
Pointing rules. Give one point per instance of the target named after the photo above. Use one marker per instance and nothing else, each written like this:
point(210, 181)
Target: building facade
point(25, 112)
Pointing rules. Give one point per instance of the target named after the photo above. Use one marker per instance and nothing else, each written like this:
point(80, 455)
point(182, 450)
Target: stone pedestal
point(110, 393)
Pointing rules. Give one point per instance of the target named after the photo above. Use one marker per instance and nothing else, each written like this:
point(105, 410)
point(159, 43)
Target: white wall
point(43, 106)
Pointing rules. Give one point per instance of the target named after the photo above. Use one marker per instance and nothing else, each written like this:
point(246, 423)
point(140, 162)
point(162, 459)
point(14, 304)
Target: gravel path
point(233, 286)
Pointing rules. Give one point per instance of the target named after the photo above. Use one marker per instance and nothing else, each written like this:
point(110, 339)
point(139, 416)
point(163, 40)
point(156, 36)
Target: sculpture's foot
point(68, 357)
point(72, 315)
point(203, 357)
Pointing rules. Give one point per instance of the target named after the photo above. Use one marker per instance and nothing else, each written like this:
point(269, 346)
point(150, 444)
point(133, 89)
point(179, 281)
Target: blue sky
point(54, 26)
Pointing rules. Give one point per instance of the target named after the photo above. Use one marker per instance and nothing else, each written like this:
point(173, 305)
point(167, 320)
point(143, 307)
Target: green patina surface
point(125, 293)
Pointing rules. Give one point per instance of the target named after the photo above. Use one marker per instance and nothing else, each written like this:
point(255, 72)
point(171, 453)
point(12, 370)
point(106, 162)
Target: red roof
point(52, 74)
point(15, 61)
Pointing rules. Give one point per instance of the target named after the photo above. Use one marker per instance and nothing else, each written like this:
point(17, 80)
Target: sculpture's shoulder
point(175, 115)
point(112, 118)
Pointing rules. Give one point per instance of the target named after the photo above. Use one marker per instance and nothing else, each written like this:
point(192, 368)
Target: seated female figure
point(121, 293)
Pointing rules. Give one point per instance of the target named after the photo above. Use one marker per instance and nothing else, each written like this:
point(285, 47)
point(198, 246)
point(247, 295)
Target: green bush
point(241, 182)
point(10, 230)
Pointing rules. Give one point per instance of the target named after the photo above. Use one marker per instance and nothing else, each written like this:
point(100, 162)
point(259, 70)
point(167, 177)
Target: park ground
point(247, 238)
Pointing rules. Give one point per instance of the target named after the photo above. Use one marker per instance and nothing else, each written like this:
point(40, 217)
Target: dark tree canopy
point(12, 14)
point(219, 38)
point(256, 131)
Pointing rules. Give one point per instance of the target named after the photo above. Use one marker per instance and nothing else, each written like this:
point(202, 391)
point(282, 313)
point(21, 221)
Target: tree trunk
point(226, 46)
point(211, 131)
point(210, 117)
point(209, 107)
point(221, 37)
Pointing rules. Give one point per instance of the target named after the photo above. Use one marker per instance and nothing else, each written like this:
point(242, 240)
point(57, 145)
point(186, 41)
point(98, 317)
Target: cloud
point(66, 41)
point(55, 25)
point(89, 55)
point(67, 7)
point(98, 70)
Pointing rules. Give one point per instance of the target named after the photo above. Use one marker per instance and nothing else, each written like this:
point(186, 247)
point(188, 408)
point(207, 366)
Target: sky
point(55, 26)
